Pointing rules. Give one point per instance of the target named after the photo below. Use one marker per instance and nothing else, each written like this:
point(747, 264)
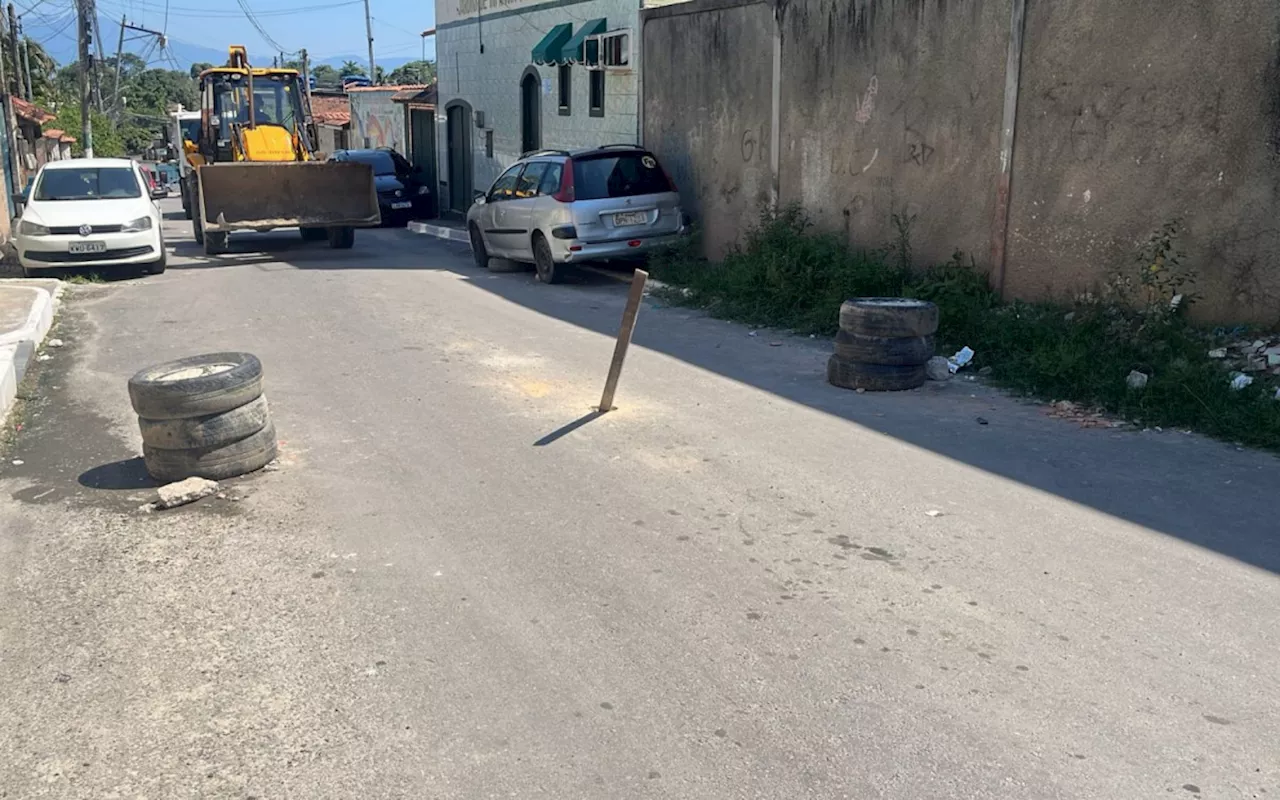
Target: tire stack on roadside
point(883, 344)
point(203, 416)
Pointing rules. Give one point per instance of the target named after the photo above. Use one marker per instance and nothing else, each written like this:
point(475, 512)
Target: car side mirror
point(19, 202)
point(159, 193)
point(480, 197)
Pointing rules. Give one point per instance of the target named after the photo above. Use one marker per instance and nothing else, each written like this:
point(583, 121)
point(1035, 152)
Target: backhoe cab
point(255, 167)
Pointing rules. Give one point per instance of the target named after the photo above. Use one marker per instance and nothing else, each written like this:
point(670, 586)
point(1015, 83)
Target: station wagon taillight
point(565, 194)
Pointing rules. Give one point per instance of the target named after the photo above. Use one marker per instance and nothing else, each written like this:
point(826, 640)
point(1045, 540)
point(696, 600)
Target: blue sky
point(327, 28)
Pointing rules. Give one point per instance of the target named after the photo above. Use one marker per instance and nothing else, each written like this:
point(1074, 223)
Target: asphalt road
point(459, 585)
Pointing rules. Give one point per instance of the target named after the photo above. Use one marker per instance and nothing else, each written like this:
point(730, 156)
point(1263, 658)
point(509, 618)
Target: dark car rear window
point(621, 175)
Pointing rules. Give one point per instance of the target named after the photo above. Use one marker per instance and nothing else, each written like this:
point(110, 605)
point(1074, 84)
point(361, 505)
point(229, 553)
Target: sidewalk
point(26, 314)
point(452, 230)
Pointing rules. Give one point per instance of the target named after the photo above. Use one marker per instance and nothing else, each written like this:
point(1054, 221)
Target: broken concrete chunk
point(938, 368)
point(1137, 380)
point(1218, 352)
point(184, 492)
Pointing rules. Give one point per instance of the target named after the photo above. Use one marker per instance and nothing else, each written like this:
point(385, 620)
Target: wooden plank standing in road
point(624, 338)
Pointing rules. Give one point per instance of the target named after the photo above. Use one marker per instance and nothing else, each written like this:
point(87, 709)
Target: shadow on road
point(1206, 493)
point(128, 474)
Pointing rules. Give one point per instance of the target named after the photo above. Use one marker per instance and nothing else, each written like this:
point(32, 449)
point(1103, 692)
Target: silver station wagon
point(554, 207)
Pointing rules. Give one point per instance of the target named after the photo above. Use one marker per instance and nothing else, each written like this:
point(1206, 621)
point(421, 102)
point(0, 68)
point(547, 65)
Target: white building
point(519, 75)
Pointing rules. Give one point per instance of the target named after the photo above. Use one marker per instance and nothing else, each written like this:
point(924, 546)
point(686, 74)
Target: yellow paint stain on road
point(534, 388)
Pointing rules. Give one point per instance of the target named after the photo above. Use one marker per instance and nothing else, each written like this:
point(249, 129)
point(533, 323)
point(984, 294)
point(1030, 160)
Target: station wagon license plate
point(402, 205)
point(629, 218)
point(87, 247)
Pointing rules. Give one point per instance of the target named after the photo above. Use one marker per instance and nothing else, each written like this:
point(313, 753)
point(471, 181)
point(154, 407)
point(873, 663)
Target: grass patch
point(788, 275)
point(81, 278)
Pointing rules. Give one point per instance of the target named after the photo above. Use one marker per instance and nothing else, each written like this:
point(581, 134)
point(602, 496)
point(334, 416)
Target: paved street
point(732, 587)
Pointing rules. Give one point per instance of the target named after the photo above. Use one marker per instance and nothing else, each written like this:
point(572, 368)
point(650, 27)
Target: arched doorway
point(458, 142)
point(530, 110)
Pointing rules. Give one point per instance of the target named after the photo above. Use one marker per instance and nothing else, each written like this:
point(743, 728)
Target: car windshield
point(381, 161)
point(624, 175)
point(88, 183)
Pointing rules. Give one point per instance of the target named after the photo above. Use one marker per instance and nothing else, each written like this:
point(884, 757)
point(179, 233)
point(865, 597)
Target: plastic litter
point(1239, 380)
point(962, 357)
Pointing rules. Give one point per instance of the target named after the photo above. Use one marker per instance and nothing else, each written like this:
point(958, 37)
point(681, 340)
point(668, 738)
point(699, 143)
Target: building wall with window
point(485, 53)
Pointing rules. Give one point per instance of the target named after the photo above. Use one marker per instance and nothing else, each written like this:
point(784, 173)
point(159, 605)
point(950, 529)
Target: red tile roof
point(30, 111)
point(331, 111)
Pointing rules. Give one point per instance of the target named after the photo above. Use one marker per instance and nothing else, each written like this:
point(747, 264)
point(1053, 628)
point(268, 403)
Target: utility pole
point(368, 29)
point(306, 76)
point(97, 65)
point(13, 48)
point(115, 87)
point(84, 8)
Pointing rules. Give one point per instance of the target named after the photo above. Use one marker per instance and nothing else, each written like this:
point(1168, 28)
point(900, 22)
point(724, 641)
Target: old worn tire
point(313, 234)
point(197, 229)
point(213, 430)
point(215, 463)
point(545, 267)
point(890, 317)
point(197, 386)
point(873, 377)
point(900, 351)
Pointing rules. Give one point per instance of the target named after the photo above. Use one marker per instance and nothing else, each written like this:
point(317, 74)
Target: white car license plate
point(402, 205)
point(87, 247)
point(629, 218)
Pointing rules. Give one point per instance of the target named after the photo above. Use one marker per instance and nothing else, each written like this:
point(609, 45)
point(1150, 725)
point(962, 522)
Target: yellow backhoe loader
point(255, 167)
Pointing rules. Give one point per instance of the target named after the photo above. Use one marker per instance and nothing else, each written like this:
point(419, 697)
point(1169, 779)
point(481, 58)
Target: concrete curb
point(440, 231)
point(18, 347)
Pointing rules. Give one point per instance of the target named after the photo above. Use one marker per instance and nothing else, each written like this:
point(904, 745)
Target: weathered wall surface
point(707, 100)
point(1134, 114)
point(893, 107)
point(1130, 115)
point(376, 121)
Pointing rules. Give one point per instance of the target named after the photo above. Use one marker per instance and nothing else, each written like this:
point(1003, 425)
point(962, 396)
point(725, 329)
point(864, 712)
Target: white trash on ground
point(1137, 380)
point(1239, 380)
point(962, 357)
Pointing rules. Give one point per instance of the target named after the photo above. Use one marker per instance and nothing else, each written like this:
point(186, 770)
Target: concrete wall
point(1130, 115)
point(489, 79)
point(1133, 114)
point(711, 127)
point(376, 121)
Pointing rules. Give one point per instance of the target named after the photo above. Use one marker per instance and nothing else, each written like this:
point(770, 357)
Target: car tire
point(313, 234)
point(547, 270)
point(34, 272)
point(214, 463)
point(900, 351)
point(342, 237)
point(158, 266)
point(478, 251)
point(216, 243)
point(874, 377)
point(212, 430)
point(889, 317)
point(197, 386)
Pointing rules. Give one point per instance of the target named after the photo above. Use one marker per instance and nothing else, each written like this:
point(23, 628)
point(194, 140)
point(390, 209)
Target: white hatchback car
point(90, 212)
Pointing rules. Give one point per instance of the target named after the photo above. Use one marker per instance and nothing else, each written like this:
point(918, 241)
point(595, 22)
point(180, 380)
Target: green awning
point(548, 50)
point(573, 51)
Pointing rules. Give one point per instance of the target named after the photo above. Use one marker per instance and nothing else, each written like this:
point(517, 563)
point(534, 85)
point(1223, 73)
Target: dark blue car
point(402, 193)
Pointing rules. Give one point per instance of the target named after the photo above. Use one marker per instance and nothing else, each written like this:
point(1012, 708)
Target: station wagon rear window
point(618, 175)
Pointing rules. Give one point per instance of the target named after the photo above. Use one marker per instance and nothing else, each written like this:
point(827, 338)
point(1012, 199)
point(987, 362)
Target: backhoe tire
point(212, 430)
point(890, 317)
point(197, 386)
point(214, 463)
point(313, 234)
point(342, 237)
point(197, 229)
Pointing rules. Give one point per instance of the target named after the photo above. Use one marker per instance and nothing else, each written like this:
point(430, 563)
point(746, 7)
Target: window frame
point(596, 76)
point(564, 89)
point(490, 197)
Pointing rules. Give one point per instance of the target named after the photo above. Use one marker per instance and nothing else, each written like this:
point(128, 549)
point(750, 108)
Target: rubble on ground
point(181, 493)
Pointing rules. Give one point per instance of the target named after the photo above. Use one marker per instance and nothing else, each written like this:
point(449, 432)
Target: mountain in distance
point(58, 41)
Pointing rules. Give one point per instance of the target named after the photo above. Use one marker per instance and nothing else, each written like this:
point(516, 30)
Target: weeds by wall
point(788, 275)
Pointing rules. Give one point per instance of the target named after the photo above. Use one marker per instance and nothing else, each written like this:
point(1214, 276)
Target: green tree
point(413, 72)
point(198, 67)
point(325, 75)
point(350, 67)
point(107, 142)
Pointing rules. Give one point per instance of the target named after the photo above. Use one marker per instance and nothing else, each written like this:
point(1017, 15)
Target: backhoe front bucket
point(249, 196)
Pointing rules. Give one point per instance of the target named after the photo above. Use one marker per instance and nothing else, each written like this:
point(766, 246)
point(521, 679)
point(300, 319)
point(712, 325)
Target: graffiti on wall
point(375, 128)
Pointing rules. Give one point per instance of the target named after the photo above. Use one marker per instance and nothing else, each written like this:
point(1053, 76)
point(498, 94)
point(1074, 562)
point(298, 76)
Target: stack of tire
point(883, 344)
point(203, 416)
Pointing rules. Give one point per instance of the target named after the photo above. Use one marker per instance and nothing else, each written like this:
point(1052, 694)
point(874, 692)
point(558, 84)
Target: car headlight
point(29, 228)
point(139, 224)
point(399, 193)
point(423, 190)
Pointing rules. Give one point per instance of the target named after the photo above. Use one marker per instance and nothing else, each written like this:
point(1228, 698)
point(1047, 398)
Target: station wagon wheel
point(478, 251)
point(542, 261)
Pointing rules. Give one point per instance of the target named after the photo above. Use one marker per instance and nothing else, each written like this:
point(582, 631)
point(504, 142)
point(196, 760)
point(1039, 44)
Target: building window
point(565, 76)
point(596, 92)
